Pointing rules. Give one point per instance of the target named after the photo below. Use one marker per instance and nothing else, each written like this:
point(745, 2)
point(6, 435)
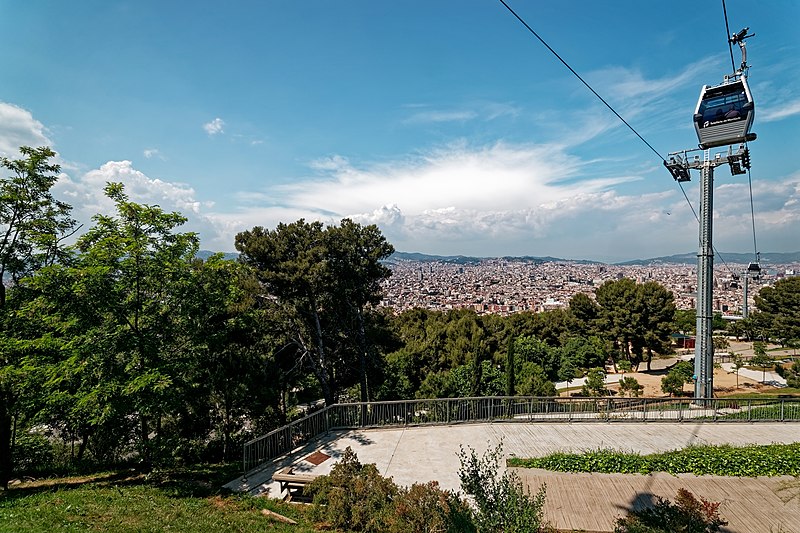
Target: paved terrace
point(582, 501)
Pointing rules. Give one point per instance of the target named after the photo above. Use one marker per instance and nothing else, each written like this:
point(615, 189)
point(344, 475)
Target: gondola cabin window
point(722, 107)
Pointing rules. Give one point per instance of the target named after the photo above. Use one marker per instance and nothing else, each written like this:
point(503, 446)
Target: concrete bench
point(292, 483)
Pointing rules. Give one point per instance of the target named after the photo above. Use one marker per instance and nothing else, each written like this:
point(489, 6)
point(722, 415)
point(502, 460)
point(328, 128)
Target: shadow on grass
point(198, 481)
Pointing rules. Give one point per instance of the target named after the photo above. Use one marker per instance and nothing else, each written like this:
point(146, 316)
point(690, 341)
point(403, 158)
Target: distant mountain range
point(687, 258)
point(466, 260)
point(729, 257)
point(205, 254)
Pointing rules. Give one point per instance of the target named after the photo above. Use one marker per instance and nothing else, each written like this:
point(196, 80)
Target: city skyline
point(446, 124)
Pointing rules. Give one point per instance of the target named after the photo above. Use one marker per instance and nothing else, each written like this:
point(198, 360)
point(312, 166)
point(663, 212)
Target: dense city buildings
point(506, 286)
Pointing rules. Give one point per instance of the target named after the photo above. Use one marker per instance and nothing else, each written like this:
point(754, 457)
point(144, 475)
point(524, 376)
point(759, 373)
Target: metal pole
point(704, 348)
point(745, 309)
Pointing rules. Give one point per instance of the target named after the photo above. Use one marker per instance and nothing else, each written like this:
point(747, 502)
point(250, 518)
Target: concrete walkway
point(419, 454)
point(768, 377)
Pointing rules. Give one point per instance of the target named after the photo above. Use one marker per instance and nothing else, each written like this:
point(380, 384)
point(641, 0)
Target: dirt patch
point(221, 504)
point(724, 383)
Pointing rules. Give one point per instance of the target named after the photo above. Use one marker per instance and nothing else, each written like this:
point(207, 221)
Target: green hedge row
point(749, 461)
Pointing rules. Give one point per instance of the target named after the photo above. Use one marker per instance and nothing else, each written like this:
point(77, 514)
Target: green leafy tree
point(511, 380)
point(530, 349)
point(658, 305)
point(630, 386)
point(33, 225)
point(619, 307)
point(672, 384)
point(720, 343)
point(322, 280)
point(583, 352)
point(354, 255)
point(122, 298)
point(684, 369)
point(235, 375)
point(624, 366)
point(738, 364)
point(595, 384)
point(685, 321)
point(586, 312)
point(637, 318)
point(779, 309)
point(761, 359)
point(567, 372)
point(534, 381)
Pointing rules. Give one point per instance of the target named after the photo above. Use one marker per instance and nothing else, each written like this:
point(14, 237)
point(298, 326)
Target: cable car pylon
point(723, 117)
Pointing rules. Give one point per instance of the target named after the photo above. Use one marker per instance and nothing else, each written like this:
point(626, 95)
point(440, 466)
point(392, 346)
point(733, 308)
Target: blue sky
point(446, 123)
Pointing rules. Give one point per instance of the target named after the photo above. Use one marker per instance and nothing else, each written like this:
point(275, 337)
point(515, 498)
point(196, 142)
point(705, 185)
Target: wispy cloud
point(427, 114)
point(214, 127)
point(150, 153)
point(434, 116)
point(785, 110)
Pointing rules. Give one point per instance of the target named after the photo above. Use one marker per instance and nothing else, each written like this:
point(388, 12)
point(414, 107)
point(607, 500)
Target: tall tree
point(354, 255)
point(586, 312)
point(779, 307)
point(234, 375)
point(33, 225)
point(658, 315)
point(123, 295)
point(636, 318)
point(619, 310)
point(323, 279)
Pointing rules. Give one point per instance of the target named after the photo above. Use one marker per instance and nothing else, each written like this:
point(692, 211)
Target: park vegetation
point(723, 460)
point(125, 347)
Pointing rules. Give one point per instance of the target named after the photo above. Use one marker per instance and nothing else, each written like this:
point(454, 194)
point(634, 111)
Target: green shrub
point(502, 504)
point(672, 383)
point(356, 497)
point(686, 515)
point(595, 383)
point(353, 496)
point(426, 508)
point(725, 460)
point(33, 453)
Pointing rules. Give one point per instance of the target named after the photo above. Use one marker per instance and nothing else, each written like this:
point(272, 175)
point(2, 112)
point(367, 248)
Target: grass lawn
point(186, 500)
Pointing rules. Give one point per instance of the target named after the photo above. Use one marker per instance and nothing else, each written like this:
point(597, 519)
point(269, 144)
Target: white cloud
point(214, 127)
point(85, 194)
point(150, 153)
point(19, 128)
point(785, 110)
point(434, 116)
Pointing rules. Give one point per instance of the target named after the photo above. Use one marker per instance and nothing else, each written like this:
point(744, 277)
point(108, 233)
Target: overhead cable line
point(753, 217)
point(582, 80)
point(728, 36)
point(658, 154)
point(749, 178)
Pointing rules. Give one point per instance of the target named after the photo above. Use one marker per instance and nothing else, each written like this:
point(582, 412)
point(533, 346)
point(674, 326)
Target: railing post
point(783, 419)
point(749, 410)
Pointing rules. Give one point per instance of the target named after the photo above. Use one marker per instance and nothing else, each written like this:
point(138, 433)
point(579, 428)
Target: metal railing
point(443, 411)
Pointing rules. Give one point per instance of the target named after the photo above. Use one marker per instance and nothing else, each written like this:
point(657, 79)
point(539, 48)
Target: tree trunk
point(362, 341)
point(6, 466)
point(83, 445)
point(321, 369)
point(145, 436)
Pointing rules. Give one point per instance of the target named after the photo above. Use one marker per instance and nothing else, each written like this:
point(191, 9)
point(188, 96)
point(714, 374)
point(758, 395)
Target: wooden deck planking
point(594, 501)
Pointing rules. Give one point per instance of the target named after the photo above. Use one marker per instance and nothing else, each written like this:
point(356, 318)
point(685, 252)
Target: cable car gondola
point(725, 112)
